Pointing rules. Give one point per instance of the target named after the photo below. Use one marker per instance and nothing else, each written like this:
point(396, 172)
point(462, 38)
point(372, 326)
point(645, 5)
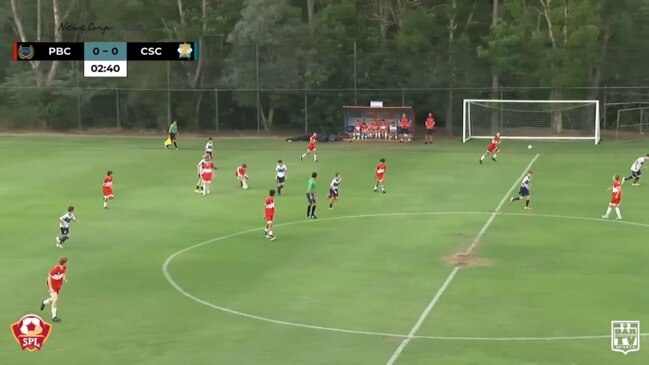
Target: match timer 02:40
point(105, 59)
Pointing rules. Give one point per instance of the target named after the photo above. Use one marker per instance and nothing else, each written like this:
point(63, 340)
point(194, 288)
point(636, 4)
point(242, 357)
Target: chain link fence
point(280, 111)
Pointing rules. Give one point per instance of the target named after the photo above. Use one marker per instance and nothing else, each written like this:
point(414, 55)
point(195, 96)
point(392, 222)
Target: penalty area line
point(450, 277)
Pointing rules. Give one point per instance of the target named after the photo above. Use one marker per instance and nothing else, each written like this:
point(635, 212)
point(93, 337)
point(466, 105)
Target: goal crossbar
point(468, 129)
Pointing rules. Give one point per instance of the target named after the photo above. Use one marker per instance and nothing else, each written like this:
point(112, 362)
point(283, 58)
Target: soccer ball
point(529, 147)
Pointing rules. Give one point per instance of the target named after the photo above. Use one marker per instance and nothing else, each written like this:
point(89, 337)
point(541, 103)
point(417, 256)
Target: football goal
point(531, 119)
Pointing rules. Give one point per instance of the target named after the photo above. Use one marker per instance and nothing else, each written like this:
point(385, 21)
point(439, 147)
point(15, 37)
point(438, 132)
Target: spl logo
point(31, 332)
point(625, 336)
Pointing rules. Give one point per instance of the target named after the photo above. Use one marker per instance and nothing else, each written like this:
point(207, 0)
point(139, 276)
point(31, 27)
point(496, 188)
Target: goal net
point(631, 123)
point(531, 119)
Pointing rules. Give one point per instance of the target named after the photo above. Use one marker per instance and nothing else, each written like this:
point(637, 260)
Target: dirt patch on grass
point(467, 260)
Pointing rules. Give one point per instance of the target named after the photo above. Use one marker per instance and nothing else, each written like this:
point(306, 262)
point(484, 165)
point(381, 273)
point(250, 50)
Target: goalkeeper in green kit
point(173, 131)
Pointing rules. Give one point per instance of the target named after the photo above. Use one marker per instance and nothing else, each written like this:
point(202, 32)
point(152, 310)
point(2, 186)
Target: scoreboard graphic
point(105, 59)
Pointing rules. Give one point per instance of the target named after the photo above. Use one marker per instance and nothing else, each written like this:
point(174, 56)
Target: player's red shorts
point(108, 192)
point(269, 217)
point(492, 148)
point(379, 177)
point(311, 147)
point(616, 199)
point(206, 177)
point(56, 287)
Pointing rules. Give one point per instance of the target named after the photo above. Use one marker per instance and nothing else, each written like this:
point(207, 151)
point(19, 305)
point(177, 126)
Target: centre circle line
point(175, 285)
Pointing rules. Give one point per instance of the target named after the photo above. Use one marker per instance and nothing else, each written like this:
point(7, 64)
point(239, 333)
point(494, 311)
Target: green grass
point(363, 267)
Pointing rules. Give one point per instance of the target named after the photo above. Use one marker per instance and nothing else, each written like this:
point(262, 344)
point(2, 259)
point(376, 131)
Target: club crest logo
point(625, 336)
point(31, 332)
point(26, 52)
point(184, 50)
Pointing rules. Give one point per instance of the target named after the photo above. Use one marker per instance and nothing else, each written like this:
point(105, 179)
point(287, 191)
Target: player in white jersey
point(199, 184)
point(524, 192)
point(636, 170)
point(209, 147)
point(393, 130)
point(333, 190)
point(280, 177)
point(64, 225)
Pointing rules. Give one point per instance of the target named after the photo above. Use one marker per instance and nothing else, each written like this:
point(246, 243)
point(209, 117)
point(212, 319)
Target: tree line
point(278, 62)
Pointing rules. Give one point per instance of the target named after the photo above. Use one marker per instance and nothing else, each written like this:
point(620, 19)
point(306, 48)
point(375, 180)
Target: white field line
point(165, 270)
point(450, 277)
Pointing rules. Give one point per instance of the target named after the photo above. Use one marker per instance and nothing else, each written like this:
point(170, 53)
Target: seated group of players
point(383, 130)
point(375, 130)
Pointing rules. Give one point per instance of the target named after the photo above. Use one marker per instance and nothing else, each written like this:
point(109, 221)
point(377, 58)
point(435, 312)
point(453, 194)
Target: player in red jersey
point(207, 171)
point(616, 198)
point(380, 174)
point(383, 129)
point(493, 148)
point(364, 130)
point(269, 214)
point(430, 127)
point(405, 128)
point(311, 147)
point(54, 284)
point(108, 188)
point(242, 176)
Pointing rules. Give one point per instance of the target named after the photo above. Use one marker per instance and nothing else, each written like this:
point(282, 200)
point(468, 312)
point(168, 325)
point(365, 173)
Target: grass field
point(347, 288)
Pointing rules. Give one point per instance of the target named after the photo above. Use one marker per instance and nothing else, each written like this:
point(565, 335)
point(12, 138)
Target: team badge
point(185, 50)
point(625, 336)
point(26, 52)
point(31, 332)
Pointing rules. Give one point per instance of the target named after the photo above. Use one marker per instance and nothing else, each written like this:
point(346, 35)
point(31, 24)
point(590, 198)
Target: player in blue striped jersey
point(280, 171)
point(524, 192)
point(333, 190)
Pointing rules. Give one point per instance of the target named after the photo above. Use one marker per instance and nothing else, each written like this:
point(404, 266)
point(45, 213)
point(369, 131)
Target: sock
point(198, 186)
point(494, 156)
point(53, 311)
point(63, 239)
point(175, 145)
point(482, 158)
point(270, 233)
point(47, 301)
point(315, 157)
point(105, 204)
point(382, 187)
point(308, 210)
point(266, 231)
point(331, 205)
point(608, 211)
point(516, 198)
point(279, 189)
point(635, 181)
point(627, 178)
point(313, 211)
point(527, 203)
point(303, 155)
point(617, 211)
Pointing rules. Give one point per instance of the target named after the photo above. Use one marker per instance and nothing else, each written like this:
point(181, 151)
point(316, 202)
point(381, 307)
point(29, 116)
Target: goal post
point(531, 119)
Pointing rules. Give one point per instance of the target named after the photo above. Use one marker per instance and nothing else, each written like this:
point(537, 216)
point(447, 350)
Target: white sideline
point(450, 277)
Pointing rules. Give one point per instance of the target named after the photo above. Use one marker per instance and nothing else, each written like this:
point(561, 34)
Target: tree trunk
point(20, 31)
point(557, 117)
point(596, 76)
point(197, 109)
point(452, 25)
point(310, 11)
point(181, 11)
point(495, 84)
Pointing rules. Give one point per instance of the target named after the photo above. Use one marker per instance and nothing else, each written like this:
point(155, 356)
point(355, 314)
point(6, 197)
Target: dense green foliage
point(309, 57)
